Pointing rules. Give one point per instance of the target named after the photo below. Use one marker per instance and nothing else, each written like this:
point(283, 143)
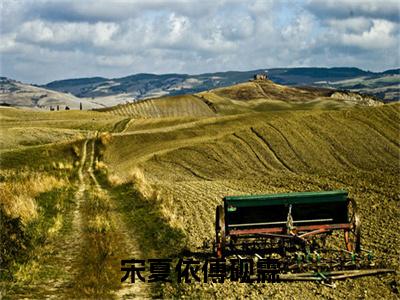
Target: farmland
point(301, 151)
point(143, 180)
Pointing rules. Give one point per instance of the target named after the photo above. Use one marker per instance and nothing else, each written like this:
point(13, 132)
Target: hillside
point(385, 87)
point(17, 94)
point(140, 86)
point(97, 92)
point(257, 95)
point(189, 165)
point(174, 106)
point(302, 142)
point(81, 190)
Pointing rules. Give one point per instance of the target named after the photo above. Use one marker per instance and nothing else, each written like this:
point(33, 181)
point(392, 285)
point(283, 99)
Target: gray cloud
point(343, 9)
point(117, 10)
point(45, 40)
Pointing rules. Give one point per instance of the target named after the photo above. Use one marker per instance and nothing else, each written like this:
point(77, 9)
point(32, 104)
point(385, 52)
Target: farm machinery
point(314, 235)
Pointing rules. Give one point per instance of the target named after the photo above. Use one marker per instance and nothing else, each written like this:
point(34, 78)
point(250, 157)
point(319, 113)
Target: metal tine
point(331, 285)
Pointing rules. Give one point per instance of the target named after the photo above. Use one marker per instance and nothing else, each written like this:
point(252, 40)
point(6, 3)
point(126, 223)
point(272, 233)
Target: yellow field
point(150, 175)
point(193, 165)
point(176, 106)
point(263, 95)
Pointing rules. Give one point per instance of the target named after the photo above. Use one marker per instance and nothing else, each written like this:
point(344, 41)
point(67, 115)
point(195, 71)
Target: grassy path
point(120, 238)
point(105, 240)
point(82, 261)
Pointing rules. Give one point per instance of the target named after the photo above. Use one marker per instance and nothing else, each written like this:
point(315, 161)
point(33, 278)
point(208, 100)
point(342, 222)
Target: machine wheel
point(352, 237)
point(220, 238)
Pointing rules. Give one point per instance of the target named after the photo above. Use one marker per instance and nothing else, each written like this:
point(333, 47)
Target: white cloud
point(7, 43)
point(300, 32)
point(379, 36)
point(117, 38)
point(351, 25)
point(43, 32)
point(115, 61)
point(178, 25)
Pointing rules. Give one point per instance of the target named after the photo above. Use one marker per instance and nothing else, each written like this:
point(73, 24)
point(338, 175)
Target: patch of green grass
point(120, 126)
point(155, 236)
point(38, 157)
point(98, 265)
point(51, 204)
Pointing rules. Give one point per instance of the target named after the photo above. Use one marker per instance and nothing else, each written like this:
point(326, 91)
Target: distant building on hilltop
point(260, 77)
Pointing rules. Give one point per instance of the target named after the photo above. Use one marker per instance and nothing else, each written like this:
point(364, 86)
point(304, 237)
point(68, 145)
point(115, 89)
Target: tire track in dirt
point(229, 149)
point(254, 152)
point(271, 150)
point(76, 222)
point(218, 150)
point(288, 143)
point(369, 125)
point(91, 163)
point(54, 277)
point(184, 167)
point(330, 142)
point(81, 275)
point(356, 128)
point(68, 246)
point(121, 234)
point(191, 155)
point(260, 89)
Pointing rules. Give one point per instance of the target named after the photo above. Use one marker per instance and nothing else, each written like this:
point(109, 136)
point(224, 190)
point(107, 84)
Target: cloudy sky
point(43, 40)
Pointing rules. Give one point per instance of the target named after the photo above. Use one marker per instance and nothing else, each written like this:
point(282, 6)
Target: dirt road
point(83, 259)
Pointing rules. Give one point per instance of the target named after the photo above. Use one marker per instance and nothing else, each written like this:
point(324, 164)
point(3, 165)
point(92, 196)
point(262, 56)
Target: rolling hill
point(81, 190)
point(256, 95)
point(384, 85)
point(18, 94)
point(97, 92)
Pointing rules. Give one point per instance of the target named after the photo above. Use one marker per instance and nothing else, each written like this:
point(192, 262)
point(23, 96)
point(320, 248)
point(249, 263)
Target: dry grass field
point(175, 106)
point(260, 95)
point(143, 180)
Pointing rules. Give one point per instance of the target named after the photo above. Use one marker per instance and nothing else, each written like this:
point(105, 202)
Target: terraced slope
point(176, 106)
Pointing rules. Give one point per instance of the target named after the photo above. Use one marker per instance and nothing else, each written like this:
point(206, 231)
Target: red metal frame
point(313, 229)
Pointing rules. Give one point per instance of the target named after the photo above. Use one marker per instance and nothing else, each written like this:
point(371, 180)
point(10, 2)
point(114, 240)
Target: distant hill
point(384, 85)
point(18, 94)
point(247, 97)
point(97, 92)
